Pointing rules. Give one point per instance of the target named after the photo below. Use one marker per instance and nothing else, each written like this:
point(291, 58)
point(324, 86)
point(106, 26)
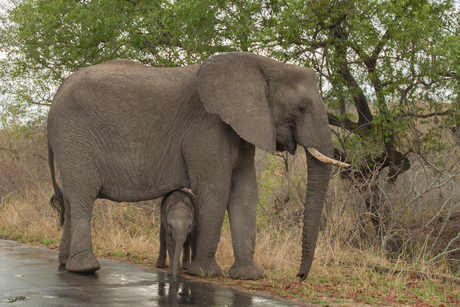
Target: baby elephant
point(177, 224)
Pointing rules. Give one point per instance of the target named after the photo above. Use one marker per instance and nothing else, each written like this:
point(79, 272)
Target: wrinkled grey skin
point(129, 132)
point(177, 223)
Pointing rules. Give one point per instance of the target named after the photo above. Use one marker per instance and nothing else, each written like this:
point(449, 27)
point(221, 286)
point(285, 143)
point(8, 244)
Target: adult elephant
point(125, 131)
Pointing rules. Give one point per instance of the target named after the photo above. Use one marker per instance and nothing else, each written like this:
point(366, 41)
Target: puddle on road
point(116, 284)
point(15, 299)
point(122, 279)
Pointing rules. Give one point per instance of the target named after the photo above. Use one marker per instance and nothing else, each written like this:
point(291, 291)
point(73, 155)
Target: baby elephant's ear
point(234, 86)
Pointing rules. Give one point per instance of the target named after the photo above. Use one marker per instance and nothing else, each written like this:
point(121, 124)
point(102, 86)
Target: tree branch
point(346, 123)
point(411, 114)
point(365, 115)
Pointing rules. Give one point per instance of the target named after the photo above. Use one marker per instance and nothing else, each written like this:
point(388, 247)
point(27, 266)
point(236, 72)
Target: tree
point(392, 61)
point(47, 40)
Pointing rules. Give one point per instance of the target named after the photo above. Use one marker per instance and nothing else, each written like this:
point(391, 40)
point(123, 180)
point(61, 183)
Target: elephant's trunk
point(314, 135)
point(176, 260)
point(318, 181)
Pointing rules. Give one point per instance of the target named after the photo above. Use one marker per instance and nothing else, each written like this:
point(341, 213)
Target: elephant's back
point(121, 77)
point(122, 89)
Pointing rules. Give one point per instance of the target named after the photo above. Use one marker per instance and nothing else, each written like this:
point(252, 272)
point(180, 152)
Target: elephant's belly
point(138, 172)
point(136, 186)
point(140, 193)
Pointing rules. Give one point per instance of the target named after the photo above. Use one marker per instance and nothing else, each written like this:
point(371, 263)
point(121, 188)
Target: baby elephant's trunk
point(176, 260)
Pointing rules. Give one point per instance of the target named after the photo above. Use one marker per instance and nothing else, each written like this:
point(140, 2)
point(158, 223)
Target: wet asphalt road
point(32, 277)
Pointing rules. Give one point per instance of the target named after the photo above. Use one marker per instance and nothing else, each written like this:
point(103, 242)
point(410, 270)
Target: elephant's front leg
point(171, 246)
point(186, 253)
point(242, 211)
point(161, 262)
point(212, 198)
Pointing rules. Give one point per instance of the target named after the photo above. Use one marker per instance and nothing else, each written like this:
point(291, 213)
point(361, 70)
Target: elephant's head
point(275, 106)
point(178, 219)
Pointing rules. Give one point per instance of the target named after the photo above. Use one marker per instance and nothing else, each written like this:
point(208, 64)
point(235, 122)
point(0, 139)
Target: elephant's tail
point(57, 200)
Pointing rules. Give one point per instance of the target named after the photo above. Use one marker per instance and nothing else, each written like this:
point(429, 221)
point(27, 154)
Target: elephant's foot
point(207, 267)
point(170, 272)
point(246, 270)
point(83, 262)
point(185, 264)
point(161, 263)
point(63, 258)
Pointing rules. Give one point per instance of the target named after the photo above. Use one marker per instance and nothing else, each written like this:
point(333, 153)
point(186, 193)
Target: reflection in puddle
point(15, 299)
point(198, 294)
point(49, 296)
point(122, 279)
point(116, 285)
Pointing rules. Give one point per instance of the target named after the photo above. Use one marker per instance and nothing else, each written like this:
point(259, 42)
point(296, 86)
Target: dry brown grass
point(344, 270)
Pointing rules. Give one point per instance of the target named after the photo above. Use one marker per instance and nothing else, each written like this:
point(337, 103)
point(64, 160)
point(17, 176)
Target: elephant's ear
point(234, 86)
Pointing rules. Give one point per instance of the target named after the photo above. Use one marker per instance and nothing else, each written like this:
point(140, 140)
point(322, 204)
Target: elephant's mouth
point(291, 148)
point(315, 153)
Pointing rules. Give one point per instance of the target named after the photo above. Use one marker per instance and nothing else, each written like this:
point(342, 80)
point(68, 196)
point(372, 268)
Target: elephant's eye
point(301, 109)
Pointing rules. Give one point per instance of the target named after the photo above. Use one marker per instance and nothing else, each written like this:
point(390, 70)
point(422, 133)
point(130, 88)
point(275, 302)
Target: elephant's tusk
point(315, 153)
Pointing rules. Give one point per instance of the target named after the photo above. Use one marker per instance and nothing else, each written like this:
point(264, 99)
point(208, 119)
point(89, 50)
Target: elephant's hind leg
point(64, 245)
point(81, 258)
